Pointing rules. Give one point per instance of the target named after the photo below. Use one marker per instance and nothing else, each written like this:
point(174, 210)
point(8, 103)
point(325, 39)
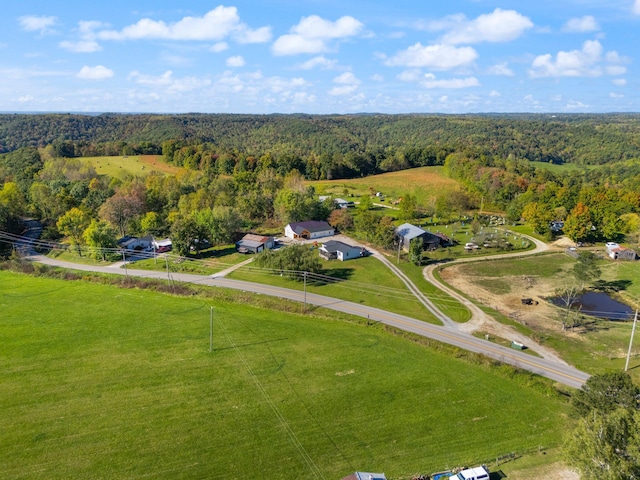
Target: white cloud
point(171, 84)
point(219, 47)
point(43, 24)
point(320, 61)
point(347, 84)
point(412, 75)
point(82, 46)
point(25, 98)
point(376, 77)
point(498, 26)
point(636, 7)
point(236, 61)
point(216, 24)
point(313, 35)
point(576, 105)
point(577, 63)
point(430, 81)
point(581, 25)
point(343, 90)
point(620, 82)
point(615, 95)
point(501, 69)
point(438, 57)
point(98, 72)
point(494, 93)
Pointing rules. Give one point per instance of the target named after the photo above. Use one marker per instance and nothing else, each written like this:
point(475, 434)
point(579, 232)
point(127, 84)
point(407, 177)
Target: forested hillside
point(331, 146)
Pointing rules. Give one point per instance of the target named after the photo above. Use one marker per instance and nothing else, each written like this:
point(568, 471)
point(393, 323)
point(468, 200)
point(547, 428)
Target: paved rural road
point(556, 371)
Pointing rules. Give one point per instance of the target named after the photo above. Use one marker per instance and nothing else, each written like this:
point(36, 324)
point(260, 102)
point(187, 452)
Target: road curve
point(556, 371)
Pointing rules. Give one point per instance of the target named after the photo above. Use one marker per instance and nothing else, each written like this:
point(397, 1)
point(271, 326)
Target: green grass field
point(424, 182)
point(102, 382)
point(365, 280)
point(136, 165)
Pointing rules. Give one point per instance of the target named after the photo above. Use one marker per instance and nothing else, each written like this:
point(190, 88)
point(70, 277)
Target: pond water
point(599, 304)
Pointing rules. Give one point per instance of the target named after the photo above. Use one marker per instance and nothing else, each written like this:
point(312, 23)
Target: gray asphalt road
point(558, 372)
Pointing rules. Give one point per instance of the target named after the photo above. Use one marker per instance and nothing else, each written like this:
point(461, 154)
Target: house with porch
point(308, 230)
point(334, 249)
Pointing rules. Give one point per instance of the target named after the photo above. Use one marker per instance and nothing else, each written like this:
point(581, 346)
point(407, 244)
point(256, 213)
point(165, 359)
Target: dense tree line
point(325, 146)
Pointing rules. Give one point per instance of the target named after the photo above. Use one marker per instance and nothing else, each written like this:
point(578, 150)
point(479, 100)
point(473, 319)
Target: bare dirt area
point(539, 315)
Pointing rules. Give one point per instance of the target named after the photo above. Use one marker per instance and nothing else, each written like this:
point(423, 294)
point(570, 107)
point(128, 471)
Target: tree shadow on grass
point(612, 286)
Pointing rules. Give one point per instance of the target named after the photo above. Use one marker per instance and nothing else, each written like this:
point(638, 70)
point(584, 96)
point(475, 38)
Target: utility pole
point(305, 293)
point(400, 242)
point(124, 260)
point(166, 262)
point(211, 329)
point(633, 331)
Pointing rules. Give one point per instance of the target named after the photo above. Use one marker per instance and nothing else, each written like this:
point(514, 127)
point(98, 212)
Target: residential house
point(430, 241)
point(616, 252)
point(334, 249)
point(135, 243)
point(252, 243)
point(366, 476)
point(308, 230)
point(340, 203)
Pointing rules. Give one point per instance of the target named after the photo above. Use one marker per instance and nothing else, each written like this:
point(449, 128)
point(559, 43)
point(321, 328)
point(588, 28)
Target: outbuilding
point(252, 243)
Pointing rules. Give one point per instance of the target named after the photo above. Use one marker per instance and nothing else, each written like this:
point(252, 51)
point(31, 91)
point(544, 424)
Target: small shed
point(334, 249)
point(617, 252)
point(164, 245)
point(252, 243)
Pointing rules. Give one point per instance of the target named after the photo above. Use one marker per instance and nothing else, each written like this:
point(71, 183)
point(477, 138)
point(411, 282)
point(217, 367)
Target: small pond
point(599, 304)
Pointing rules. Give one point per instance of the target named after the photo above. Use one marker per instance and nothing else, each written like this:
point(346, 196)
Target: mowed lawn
point(102, 382)
point(424, 182)
point(136, 165)
point(363, 280)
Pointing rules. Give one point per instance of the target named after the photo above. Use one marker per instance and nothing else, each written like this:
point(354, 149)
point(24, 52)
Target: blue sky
point(320, 56)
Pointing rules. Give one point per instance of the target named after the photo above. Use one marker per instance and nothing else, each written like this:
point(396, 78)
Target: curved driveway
point(549, 368)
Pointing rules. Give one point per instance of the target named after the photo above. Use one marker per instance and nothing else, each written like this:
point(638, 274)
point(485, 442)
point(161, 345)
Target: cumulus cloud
point(497, 26)
point(636, 7)
point(620, 82)
point(217, 24)
point(171, 84)
point(430, 81)
point(495, 93)
point(581, 25)
point(81, 46)
point(501, 69)
point(437, 57)
point(347, 84)
point(98, 72)
point(219, 47)
point(313, 35)
point(616, 95)
point(318, 62)
point(587, 62)
point(412, 75)
point(236, 61)
point(33, 23)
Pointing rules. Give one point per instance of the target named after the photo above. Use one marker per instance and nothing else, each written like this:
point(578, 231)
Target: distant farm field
point(136, 165)
point(425, 183)
point(103, 382)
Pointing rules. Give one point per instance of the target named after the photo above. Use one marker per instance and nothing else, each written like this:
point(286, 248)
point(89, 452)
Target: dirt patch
point(540, 315)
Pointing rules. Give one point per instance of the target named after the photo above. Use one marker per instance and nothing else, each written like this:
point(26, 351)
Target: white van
point(477, 473)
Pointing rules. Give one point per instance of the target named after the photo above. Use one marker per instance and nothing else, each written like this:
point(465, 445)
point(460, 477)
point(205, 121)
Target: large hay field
point(136, 165)
point(424, 182)
point(106, 382)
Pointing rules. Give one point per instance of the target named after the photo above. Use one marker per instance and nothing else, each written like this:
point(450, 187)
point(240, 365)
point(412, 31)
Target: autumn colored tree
point(577, 226)
point(538, 216)
point(73, 224)
point(101, 237)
